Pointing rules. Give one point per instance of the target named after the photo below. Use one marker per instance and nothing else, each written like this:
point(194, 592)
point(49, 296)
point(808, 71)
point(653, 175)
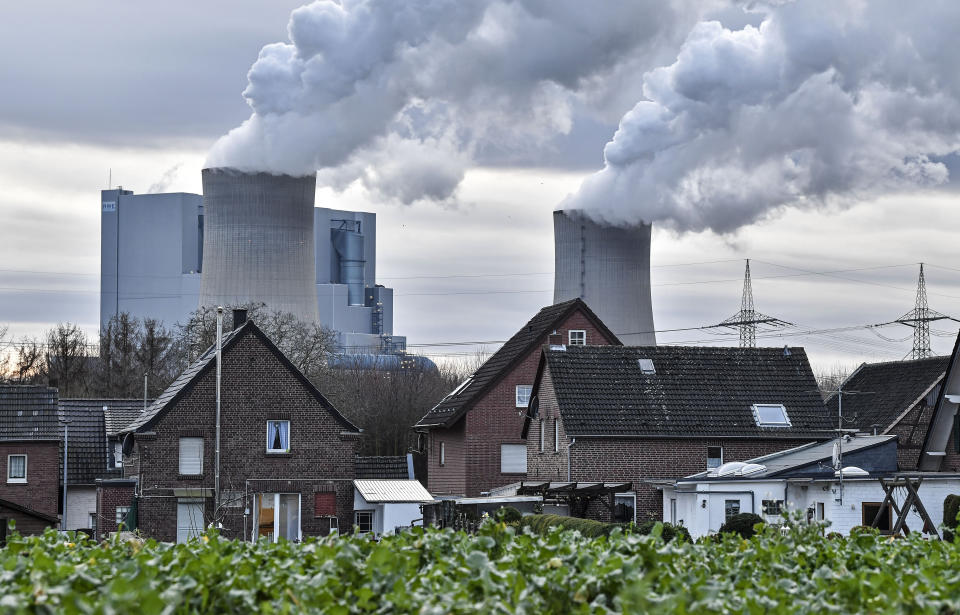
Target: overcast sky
point(819, 144)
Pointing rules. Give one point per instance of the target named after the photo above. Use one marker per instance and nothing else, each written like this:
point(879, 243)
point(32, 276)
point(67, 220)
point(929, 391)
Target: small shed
point(384, 506)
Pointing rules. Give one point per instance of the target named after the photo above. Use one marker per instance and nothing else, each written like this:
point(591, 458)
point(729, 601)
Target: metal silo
point(258, 241)
point(609, 268)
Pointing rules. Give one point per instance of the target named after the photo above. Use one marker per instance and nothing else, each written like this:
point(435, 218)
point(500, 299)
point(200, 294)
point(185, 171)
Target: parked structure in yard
point(29, 451)
point(386, 506)
point(895, 397)
point(804, 479)
point(472, 437)
point(287, 456)
point(614, 415)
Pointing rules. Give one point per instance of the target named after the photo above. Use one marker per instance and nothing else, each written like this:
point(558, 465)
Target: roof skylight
point(646, 366)
point(770, 415)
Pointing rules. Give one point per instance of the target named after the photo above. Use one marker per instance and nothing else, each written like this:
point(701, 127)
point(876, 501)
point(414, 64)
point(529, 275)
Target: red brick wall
point(256, 387)
point(27, 525)
point(41, 492)
point(451, 477)
point(108, 498)
point(494, 420)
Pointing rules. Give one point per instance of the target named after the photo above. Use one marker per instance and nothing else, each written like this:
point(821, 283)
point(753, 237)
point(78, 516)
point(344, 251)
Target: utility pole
point(920, 318)
point(216, 476)
point(66, 439)
point(747, 319)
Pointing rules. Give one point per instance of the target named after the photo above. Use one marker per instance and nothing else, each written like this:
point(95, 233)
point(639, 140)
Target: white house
point(805, 479)
point(383, 506)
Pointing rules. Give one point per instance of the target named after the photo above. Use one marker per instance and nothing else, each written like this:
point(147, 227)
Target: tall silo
point(609, 268)
point(258, 241)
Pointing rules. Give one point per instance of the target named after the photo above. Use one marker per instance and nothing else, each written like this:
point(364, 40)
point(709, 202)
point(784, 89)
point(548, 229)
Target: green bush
point(951, 507)
point(670, 531)
point(589, 528)
point(741, 524)
point(508, 514)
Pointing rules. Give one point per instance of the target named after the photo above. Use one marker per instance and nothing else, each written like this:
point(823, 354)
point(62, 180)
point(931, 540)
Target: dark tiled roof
point(533, 334)
point(28, 413)
point(878, 393)
point(382, 467)
point(87, 444)
point(207, 360)
point(119, 413)
point(695, 392)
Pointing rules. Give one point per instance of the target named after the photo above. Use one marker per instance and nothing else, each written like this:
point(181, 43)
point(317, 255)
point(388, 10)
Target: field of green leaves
point(497, 570)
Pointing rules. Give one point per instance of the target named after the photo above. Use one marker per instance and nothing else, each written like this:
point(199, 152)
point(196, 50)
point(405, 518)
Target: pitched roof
point(695, 392)
point(28, 413)
point(392, 491)
point(28, 511)
point(383, 467)
point(879, 393)
point(184, 382)
point(531, 335)
point(87, 443)
point(119, 413)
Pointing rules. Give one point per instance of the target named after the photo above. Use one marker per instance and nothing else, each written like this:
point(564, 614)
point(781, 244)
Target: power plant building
point(164, 255)
point(608, 267)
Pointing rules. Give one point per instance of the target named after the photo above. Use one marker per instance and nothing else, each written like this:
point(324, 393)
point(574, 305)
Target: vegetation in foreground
point(497, 570)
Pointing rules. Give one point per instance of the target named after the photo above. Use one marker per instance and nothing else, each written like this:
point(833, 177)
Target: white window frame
point(193, 530)
point(523, 401)
point(118, 454)
point(570, 340)
point(556, 435)
point(633, 500)
point(373, 519)
point(276, 516)
point(726, 503)
point(289, 437)
point(517, 447)
point(18, 480)
point(710, 467)
point(120, 514)
point(443, 453)
point(542, 435)
point(756, 415)
point(92, 520)
point(673, 511)
point(180, 456)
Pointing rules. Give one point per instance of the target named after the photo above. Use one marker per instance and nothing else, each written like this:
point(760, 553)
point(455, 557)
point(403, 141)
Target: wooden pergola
point(578, 495)
point(911, 485)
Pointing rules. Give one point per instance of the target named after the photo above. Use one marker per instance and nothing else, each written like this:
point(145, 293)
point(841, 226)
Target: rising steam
point(739, 113)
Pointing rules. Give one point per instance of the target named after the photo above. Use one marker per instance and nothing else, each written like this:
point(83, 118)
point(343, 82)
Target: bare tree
point(829, 379)
point(67, 360)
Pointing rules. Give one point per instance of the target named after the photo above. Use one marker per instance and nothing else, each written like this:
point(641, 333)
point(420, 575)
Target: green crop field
point(497, 570)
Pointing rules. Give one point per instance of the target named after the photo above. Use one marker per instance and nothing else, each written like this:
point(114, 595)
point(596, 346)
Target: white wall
point(81, 503)
point(387, 516)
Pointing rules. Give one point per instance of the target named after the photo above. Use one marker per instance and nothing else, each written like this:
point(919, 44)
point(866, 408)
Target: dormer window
point(770, 415)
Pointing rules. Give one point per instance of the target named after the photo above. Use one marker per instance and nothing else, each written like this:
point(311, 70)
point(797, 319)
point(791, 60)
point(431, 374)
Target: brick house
point(472, 437)
point(29, 451)
point(287, 455)
point(640, 415)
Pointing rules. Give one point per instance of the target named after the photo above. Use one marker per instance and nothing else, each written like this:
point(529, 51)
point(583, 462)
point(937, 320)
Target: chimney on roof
point(239, 317)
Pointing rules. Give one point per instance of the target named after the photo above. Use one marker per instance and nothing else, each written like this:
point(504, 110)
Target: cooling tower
point(609, 268)
point(258, 241)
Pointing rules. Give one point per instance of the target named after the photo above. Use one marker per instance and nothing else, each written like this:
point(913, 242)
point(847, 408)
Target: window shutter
point(513, 458)
point(191, 456)
point(325, 504)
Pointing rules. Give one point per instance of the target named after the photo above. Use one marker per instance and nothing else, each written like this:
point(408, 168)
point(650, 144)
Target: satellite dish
point(851, 471)
point(730, 468)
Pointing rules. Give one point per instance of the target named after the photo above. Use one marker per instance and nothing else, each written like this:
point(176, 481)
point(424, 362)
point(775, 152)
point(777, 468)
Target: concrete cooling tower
point(609, 268)
point(258, 241)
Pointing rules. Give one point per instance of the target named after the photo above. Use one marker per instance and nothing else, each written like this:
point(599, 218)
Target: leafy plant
point(951, 509)
point(742, 524)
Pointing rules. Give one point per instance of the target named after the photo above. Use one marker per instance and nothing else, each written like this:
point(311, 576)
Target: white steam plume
point(405, 96)
point(823, 103)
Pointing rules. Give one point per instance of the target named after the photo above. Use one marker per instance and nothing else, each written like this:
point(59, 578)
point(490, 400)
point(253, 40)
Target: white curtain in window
point(278, 435)
point(191, 456)
point(18, 466)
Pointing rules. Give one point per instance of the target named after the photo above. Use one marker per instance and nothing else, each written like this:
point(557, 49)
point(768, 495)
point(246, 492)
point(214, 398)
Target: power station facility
point(251, 238)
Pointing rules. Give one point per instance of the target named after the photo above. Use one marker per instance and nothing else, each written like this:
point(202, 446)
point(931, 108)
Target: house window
point(92, 522)
point(325, 504)
point(364, 521)
point(278, 516)
point(869, 512)
point(541, 434)
point(673, 511)
point(513, 458)
point(730, 508)
point(820, 515)
point(772, 507)
point(577, 337)
point(714, 457)
point(191, 456)
point(16, 468)
point(556, 435)
point(189, 518)
point(443, 454)
point(278, 436)
point(770, 415)
point(523, 395)
point(122, 515)
point(625, 508)
point(118, 454)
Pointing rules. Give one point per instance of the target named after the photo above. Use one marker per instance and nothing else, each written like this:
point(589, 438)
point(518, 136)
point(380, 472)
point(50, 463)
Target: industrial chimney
point(609, 268)
point(258, 241)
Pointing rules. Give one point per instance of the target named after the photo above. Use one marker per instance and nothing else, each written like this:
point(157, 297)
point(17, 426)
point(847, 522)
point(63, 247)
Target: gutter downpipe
point(569, 446)
point(216, 476)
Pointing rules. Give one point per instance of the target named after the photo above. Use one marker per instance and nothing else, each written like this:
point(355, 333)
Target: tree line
point(131, 353)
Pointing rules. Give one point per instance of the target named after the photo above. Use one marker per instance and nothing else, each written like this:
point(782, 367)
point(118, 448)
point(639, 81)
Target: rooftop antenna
point(920, 318)
point(747, 319)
